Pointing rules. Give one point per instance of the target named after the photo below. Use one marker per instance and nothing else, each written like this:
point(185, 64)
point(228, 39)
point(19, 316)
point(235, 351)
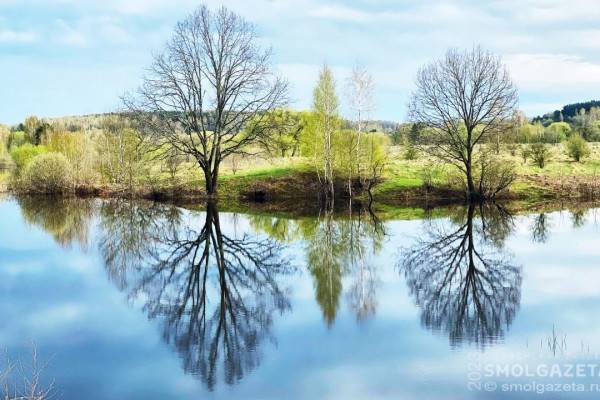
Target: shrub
point(80, 150)
point(410, 153)
point(540, 153)
point(577, 147)
point(525, 153)
point(22, 155)
point(46, 173)
point(556, 132)
point(16, 139)
point(512, 149)
point(495, 176)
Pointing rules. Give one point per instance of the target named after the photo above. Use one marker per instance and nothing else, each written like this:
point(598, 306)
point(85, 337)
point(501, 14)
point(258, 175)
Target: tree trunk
point(471, 192)
point(211, 180)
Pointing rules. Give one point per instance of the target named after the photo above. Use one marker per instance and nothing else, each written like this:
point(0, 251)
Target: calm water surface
point(136, 300)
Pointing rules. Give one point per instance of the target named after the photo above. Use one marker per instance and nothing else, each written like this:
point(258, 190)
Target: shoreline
point(535, 194)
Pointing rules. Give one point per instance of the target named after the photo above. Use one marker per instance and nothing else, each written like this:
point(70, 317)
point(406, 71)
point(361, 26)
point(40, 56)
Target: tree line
point(212, 97)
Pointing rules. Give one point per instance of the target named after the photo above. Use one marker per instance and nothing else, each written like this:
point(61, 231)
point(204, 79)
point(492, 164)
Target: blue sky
point(68, 57)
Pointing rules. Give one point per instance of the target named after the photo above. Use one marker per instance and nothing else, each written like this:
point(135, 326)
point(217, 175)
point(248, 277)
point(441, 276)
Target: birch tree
point(325, 106)
point(359, 91)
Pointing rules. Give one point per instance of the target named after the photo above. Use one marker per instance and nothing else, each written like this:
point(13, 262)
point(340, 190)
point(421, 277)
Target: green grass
point(263, 173)
point(403, 175)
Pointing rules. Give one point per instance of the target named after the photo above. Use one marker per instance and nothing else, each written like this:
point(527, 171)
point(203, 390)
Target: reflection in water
point(127, 227)
point(578, 217)
point(461, 280)
point(214, 293)
point(335, 247)
point(66, 219)
point(540, 228)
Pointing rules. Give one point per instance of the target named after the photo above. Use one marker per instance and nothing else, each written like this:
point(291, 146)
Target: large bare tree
point(201, 92)
point(463, 281)
point(463, 98)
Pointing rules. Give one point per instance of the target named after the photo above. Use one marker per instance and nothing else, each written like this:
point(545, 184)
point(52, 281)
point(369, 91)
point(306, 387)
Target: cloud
point(11, 36)
point(549, 11)
point(552, 71)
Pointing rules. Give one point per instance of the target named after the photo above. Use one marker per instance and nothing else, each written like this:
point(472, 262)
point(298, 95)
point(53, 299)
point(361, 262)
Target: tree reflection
point(66, 219)
point(461, 280)
point(578, 217)
point(129, 233)
point(540, 228)
point(214, 293)
point(336, 246)
point(365, 234)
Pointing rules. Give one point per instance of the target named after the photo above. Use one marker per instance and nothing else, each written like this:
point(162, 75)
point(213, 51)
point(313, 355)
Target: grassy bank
point(408, 182)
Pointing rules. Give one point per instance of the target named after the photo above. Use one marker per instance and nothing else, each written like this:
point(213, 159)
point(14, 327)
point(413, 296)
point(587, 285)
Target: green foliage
point(122, 153)
point(410, 153)
point(36, 129)
point(398, 136)
point(4, 134)
point(79, 149)
point(586, 123)
point(48, 173)
point(525, 153)
point(415, 133)
point(531, 133)
point(577, 147)
point(16, 139)
point(325, 100)
point(22, 155)
point(540, 154)
point(326, 124)
point(556, 132)
point(282, 132)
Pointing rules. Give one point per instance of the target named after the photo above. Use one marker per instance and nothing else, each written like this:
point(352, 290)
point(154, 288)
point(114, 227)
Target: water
point(140, 300)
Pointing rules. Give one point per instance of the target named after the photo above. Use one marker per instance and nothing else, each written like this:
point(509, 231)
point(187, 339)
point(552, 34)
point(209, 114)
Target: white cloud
point(11, 36)
point(551, 71)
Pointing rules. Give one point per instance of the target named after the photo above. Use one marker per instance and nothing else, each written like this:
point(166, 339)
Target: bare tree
point(463, 282)
point(201, 92)
point(359, 90)
point(463, 98)
point(214, 293)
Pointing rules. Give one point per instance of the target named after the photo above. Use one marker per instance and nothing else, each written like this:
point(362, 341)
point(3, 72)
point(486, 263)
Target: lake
point(139, 300)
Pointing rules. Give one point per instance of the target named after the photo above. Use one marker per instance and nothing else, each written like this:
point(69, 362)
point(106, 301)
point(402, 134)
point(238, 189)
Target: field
point(407, 177)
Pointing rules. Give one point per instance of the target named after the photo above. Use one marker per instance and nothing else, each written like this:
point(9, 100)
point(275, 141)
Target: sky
point(72, 57)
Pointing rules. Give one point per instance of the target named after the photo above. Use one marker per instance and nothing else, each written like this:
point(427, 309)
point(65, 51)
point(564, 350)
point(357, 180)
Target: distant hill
point(567, 113)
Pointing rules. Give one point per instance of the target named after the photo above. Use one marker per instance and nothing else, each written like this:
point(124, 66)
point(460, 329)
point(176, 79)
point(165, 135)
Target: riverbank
point(290, 185)
point(420, 182)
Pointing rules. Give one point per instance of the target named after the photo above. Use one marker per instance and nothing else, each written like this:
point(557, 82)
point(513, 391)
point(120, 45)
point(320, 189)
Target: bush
point(512, 149)
point(556, 132)
point(46, 173)
point(525, 153)
point(495, 176)
point(540, 153)
point(16, 139)
point(80, 150)
point(577, 147)
point(410, 153)
point(22, 155)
